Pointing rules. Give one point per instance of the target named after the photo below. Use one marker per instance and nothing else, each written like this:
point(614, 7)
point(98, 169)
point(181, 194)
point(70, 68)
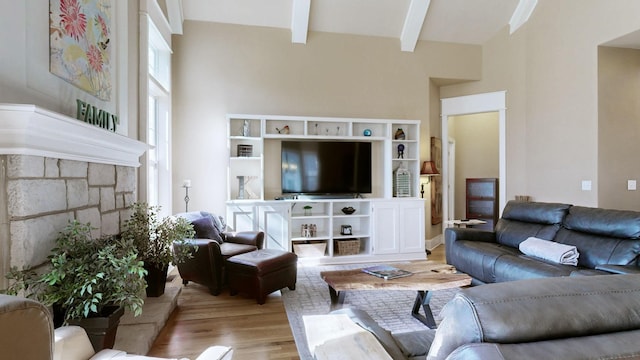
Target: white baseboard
point(435, 241)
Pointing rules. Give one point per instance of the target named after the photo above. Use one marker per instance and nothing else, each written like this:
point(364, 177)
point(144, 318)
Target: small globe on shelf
point(348, 210)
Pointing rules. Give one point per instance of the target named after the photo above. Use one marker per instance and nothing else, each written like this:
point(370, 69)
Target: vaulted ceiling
point(457, 21)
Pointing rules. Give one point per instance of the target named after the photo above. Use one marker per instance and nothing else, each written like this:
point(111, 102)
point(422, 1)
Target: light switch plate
point(586, 185)
point(631, 185)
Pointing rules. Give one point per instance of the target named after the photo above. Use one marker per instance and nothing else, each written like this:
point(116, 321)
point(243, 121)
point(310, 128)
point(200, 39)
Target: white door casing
point(473, 104)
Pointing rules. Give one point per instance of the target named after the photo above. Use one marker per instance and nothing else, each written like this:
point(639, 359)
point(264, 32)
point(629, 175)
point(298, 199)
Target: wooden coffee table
point(427, 276)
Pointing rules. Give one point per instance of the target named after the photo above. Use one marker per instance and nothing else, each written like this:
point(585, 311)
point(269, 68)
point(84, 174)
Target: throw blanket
point(550, 250)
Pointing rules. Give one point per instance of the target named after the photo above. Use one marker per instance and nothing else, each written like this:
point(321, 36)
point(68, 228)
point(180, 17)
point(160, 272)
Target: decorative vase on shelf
point(246, 130)
point(399, 134)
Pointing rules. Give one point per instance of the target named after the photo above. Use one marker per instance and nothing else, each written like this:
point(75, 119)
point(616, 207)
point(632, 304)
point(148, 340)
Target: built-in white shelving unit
point(261, 133)
point(253, 183)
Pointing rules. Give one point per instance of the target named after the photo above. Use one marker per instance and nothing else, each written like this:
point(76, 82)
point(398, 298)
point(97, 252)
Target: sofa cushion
point(229, 249)
point(598, 249)
point(521, 220)
point(613, 223)
point(205, 229)
point(477, 258)
point(602, 236)
point(513, 232)
point(511, 268)
point(415, 343)
point(535, 212)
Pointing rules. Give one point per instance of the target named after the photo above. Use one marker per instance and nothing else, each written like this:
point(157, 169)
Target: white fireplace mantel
point(31, 130)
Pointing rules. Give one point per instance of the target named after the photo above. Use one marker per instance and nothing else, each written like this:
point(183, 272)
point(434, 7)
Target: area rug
point(391, 309)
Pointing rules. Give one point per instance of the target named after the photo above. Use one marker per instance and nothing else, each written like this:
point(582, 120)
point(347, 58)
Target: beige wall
point(618, 127)
point(549, 70)
point(220, 69)
point(476, 150)
point(24, 69)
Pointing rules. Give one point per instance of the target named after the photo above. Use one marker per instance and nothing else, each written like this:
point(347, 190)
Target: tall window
point(158, 179)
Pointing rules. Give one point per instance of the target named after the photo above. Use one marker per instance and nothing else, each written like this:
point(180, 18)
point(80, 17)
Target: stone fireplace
point(54, 169)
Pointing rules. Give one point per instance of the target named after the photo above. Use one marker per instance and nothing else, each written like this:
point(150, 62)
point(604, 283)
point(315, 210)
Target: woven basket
point(245, 150)
point(314, 249)
point(347, 247)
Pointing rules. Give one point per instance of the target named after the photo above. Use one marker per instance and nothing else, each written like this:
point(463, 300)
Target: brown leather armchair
point(215, 245)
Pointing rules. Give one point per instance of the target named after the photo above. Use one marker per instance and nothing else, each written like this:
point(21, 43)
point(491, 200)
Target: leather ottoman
point(261, 272)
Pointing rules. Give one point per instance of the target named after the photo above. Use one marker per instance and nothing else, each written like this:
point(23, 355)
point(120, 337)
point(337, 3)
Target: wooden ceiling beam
point(175, 15)
point(300, 21)
point(521, 14)
point(413, 24)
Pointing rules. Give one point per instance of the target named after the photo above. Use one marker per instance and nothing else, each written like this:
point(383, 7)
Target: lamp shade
point(429, 168)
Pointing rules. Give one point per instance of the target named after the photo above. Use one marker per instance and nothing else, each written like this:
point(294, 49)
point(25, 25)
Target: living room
point(568, 122)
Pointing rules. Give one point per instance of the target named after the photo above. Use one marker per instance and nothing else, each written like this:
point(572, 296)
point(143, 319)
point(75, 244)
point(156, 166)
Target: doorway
point(465, 105)
point(475, 157)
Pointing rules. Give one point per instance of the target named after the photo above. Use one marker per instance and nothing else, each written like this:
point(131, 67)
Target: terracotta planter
point(102, 330)
point(156, 279)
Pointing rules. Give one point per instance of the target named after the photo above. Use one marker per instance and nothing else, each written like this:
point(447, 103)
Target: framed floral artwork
point(79, 44)
point(436, 182)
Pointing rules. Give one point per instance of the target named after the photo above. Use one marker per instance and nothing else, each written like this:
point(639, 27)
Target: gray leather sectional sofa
point(563, 318)
point(528, 308)
point(608, 241)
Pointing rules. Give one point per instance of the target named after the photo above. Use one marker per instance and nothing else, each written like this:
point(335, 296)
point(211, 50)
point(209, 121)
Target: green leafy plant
point(85, 275)
point(154, 237)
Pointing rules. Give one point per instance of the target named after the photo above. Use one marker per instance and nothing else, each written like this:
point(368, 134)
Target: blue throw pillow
point(205, 229)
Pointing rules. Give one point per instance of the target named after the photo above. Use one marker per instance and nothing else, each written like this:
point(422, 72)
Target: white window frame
point(155, 107)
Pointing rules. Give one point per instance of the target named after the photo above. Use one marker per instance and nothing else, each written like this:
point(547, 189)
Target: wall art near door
point(80, 44)
point(436, 182)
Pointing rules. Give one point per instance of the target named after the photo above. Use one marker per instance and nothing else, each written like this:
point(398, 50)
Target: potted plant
point(88, 282)
point(153, 238)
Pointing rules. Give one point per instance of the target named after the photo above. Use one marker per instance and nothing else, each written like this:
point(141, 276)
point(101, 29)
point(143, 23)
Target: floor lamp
point(186, 185)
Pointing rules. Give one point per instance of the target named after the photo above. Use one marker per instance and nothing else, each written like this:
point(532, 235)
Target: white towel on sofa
point(550, 250)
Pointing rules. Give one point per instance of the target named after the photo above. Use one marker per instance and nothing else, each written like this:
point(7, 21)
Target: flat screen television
point(326, 167)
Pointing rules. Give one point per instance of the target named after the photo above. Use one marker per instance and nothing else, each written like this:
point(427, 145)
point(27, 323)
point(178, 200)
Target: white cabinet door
point(398, 226)
point(240, 217)
point(385, 227)
point(273, 220)
point(411, 227)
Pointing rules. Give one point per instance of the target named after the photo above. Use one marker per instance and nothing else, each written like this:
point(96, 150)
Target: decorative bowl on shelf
point(348, 210)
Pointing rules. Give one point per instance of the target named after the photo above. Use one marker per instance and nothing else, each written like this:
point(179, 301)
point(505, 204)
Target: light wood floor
point(254, 331)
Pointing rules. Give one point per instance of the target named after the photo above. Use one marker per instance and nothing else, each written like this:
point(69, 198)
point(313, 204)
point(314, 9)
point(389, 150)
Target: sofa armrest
point(26, 329)
point(71, 343)
point(255, 238)
point(451, 235)
point(619, 269)
point(454, 234)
